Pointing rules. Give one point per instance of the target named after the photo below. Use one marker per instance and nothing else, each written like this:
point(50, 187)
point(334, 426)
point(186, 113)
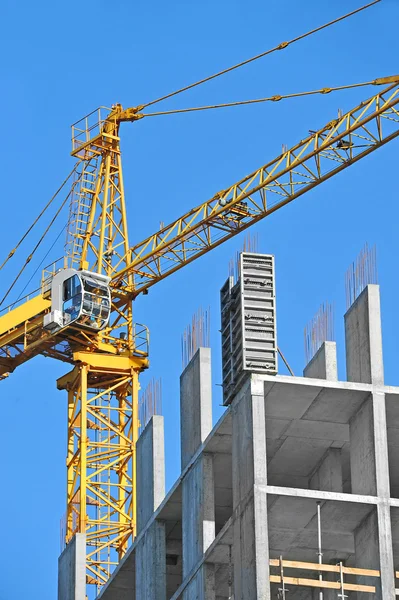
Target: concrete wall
point(251, 544)
point(324, 363)
point(368, 438)
point(72, 570)
point(195, 404)
point(151, 564)
point(151, 549)
point(150, 470)
point(363, 338)
point(198, 487)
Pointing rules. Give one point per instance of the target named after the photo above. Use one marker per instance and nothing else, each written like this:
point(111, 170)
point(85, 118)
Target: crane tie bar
point(276, 98)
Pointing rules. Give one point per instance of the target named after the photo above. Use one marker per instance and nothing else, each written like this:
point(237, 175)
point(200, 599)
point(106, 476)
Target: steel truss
point(324, 153)
point(101, 459)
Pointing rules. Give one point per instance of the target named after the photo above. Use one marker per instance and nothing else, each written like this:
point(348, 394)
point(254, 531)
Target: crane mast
point(103, 385)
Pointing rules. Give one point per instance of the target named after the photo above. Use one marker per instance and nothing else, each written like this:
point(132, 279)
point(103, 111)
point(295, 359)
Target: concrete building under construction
point(293, 494)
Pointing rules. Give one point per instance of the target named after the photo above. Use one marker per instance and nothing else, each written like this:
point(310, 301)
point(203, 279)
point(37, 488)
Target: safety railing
point(49, 272)
point(19, 302)
point(397, 588)
point(141, 339)
point(88, 128)
point(340, 570)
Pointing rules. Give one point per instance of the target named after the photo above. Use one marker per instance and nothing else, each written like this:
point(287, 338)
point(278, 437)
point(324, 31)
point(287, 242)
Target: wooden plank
point(335, 585)
point(294, 564)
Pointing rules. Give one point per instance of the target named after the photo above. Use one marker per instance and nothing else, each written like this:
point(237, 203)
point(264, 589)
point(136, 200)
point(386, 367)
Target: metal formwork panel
point(248, 319)
point(258, 307)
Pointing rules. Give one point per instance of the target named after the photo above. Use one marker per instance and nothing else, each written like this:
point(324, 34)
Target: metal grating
point(249, 341)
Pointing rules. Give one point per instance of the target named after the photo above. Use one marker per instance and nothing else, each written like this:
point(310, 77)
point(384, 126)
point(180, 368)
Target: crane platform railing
point(20, 301)
point(87, 129)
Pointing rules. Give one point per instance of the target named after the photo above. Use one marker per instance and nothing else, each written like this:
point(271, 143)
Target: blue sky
point(60, 61)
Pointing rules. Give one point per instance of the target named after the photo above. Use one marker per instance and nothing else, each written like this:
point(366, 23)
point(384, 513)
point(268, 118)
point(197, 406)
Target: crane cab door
point(72, 298)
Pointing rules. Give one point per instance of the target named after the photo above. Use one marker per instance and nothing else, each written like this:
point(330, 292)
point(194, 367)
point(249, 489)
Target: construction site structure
point(292, 494)
point(82, 312)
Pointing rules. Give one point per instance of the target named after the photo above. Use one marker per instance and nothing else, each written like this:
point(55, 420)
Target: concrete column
point(150, 470)
point(370, 475)
point(198, 519)
point(363, 338)
point(151, 564)
point(195, 404)
point(324, 363)
point(328, 475)
point(198, 527)
point(367, 555)
point(251, 544)
point(362, 450)
point(151, 549)
point(383, 491)
point(72, 570)
point(198, 511)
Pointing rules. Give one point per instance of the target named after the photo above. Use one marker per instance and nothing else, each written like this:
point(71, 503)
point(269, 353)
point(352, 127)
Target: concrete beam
point(72, 570)
point(363, 338)
point(324, 363)
point(195, 404)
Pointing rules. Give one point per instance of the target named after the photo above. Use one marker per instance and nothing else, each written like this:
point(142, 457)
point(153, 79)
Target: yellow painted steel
point(102, 387)
point(324, 153)
point(14, 317)
point(101, 458)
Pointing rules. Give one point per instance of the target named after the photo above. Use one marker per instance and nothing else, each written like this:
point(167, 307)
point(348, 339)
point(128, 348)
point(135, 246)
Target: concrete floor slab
point(298, 456)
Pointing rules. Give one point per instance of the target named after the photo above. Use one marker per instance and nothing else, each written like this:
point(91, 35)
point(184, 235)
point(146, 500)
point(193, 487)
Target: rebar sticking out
point(150, 402)
point(250, 244)
point(196, 335)
point(360, 273)
point(319, 329)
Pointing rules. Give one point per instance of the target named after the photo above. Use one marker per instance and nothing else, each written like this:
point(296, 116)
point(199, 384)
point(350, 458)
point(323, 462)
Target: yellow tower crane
point(82, 312)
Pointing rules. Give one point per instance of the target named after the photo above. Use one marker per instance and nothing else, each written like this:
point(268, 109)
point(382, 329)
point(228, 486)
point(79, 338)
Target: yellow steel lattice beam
point(323, 154)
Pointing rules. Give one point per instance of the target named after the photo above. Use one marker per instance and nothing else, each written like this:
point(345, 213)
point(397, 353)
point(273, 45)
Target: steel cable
point(29, 258)
point(11, 254)
point(281, 46)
